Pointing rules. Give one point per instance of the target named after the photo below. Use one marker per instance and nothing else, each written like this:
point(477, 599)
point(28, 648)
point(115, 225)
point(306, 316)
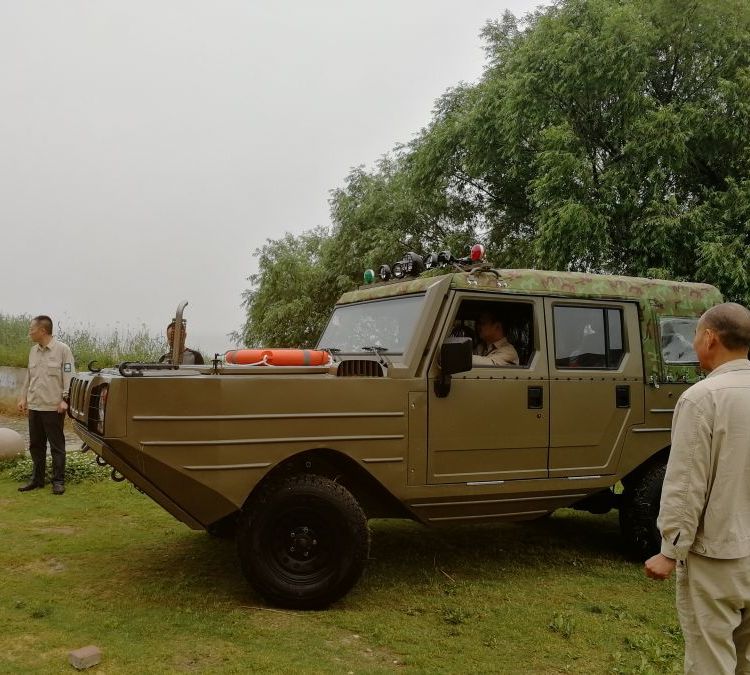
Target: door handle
point(536, 398)
point(622, 395)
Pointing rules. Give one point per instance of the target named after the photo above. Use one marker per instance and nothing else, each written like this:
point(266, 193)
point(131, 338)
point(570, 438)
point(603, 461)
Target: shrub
point(107, 349)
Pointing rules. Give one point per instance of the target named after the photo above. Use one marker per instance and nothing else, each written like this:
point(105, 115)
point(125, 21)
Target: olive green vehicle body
point(200, 440)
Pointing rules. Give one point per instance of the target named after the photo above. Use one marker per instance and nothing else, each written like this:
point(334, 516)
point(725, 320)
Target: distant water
point(21, 425)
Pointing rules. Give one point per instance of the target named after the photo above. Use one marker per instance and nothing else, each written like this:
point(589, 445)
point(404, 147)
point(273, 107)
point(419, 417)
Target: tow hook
point(116, 476)
point(100, 461)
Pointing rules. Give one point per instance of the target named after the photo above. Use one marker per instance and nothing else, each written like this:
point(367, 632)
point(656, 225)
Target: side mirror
point(455, 357)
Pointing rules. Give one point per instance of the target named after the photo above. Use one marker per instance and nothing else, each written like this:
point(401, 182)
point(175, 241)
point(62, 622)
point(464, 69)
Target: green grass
point(85, 343)
point(79, 468)
point(104, 565)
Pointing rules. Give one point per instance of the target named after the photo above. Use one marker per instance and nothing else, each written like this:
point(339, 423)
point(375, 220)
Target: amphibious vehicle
point(397, 422)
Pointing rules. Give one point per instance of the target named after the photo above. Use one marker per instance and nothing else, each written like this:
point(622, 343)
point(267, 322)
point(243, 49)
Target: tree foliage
point(291, 290)
point(604, 135)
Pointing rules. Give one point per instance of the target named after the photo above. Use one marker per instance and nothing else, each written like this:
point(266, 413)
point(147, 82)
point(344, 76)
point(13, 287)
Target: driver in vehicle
point(493, 348)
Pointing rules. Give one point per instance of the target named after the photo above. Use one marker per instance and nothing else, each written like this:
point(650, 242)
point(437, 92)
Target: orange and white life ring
point(278, 357)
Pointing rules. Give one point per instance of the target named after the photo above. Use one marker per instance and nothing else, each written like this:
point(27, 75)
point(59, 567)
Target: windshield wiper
point(375, 349)
point(378, 350)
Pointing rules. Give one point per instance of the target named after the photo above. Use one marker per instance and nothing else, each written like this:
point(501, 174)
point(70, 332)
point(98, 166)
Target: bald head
point(731, 323)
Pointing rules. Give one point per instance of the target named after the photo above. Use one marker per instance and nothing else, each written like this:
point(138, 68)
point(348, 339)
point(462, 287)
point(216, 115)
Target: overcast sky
point(148, 148)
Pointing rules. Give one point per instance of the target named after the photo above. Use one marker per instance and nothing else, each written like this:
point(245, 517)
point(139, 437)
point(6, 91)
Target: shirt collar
point(49, 346)
point(736, 364)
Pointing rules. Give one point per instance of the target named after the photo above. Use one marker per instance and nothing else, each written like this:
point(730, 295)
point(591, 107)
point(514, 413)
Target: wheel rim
point(304, 545)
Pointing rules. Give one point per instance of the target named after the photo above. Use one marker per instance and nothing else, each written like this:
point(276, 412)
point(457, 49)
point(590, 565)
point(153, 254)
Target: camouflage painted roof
point(656, 297)
point(388, 289)
point(676, 298)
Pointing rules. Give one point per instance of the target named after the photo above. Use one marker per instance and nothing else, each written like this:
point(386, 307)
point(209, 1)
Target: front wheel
point(303, 541)
point(640, 509)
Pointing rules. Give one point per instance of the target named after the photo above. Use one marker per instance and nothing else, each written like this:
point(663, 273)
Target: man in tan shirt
point(45, 397)
point(190, 357)
point(704, 517)
point(494, 348)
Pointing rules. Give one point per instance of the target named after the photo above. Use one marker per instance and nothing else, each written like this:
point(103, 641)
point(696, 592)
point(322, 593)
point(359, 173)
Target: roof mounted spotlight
point(445, 258)
point(431, 261)
point(412, 264)
point(417, 263)
point(477, 253)
point(385, 272)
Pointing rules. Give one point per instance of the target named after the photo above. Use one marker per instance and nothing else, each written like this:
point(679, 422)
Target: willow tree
point(604, 135)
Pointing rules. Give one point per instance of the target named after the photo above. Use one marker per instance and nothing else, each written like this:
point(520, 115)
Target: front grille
point(359, 368)
point(77, 393)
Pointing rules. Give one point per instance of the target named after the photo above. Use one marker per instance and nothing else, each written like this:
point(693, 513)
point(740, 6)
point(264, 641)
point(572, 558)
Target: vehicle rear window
point(588, 337)
point(677, 339)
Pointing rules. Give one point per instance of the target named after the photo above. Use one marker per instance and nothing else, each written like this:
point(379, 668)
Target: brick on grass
point(85, 657)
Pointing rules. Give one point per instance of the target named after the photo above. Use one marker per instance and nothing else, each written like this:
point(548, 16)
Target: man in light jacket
point(704, 517)
point(45, 397)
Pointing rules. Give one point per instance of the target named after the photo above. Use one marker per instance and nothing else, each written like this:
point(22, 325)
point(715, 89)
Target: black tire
point(639, 510)
point(303, 541)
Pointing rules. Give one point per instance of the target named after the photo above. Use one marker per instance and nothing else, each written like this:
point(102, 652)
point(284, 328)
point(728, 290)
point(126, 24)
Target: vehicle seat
point(519, 335)
point(589, 353)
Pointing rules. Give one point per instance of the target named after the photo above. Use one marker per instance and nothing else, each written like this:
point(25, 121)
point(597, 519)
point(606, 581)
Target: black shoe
point(30, 486)
point(58, 489)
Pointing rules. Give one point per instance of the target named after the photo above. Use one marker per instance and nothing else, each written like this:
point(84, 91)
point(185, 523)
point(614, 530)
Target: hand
point(62, 407)
point(660, 567)
point(22, 406)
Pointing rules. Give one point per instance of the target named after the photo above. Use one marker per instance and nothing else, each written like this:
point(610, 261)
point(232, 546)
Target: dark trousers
point(44, 426)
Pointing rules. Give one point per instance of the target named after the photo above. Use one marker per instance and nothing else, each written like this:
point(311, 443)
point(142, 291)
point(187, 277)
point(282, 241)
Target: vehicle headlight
point(101, 407)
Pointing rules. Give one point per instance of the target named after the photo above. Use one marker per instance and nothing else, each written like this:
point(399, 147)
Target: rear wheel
point(639, 510)
point(303, 541)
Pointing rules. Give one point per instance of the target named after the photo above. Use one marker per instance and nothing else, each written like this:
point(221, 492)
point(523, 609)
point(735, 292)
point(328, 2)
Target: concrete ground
point(21, 425)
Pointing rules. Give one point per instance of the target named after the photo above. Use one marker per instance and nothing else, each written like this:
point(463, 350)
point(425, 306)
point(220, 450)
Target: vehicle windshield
point(380, 326)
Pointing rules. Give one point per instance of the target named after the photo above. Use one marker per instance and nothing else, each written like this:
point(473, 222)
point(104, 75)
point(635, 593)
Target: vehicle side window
point(677, 339)
point(615, 347)
point(588, 337)
point(517, 321)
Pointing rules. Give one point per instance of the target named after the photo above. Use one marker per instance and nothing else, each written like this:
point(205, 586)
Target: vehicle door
point(493, 425)
point(596, 383)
